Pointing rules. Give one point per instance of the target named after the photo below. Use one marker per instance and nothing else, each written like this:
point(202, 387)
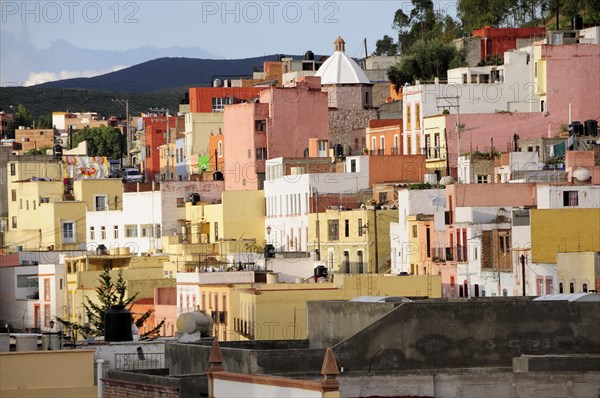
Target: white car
point(132, 175)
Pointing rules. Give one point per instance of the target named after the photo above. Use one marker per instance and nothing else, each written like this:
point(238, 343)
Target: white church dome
point(340, 68)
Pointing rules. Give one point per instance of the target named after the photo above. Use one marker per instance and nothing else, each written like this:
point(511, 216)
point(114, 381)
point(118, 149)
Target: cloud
point(48, 76)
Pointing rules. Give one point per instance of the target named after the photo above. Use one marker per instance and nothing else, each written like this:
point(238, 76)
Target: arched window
point(585, 288)
point(571, 287)
point(466, 288)
point(561, 288)
point(220, 149)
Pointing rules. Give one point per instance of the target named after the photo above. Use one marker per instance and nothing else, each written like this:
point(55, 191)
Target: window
point(360, 227)
point(585, 288)
point(20, 203)
point(157, 231)
point(14, 221)
point(44, 200)
point(260, 125)
point(261, 153)
point(46, 289)
point(116, 232)
point(408, 125)
point(68, 232)
point(131, 231)
point(92, 233)
point(570, 198)
point(333, 229)
point(322, 145)
point(383, 197)
point(561, 288)
point(382, 145)
point(12, 169)
point(353, 166)
point(218, 104)
point(146, 230)
point(504, 243)
point(373, 144)
point(27, 205)
point(436, 147)
point(180, 202)
point(539, 285)
point(216, 231)
point(572, 287)
point(346, 228)
point(414, 231)
point(418, 115)
point(549, 285)
point(13, 194)
point(33, 202)
point(101, 202)
point(47, 315)
point(482, 179)
point(103, 232)
point(27, 280)
point(220, 149)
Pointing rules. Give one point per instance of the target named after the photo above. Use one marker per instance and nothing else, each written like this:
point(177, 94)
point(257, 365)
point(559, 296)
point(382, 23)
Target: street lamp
point(268, 234)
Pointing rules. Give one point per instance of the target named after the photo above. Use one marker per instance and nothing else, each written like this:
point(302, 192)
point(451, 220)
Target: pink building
point(279, 125)
point(572, 78)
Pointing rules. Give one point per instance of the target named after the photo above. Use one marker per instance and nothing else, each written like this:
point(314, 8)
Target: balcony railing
point(140, 360)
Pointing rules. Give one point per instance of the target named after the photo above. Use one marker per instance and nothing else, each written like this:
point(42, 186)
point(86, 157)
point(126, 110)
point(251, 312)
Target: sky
point(51, 40)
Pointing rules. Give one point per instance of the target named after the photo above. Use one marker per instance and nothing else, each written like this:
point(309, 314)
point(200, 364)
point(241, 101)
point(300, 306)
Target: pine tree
point(109, 294)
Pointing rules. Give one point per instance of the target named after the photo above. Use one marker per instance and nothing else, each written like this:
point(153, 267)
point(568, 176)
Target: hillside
point(164, 73)
point(44, 101)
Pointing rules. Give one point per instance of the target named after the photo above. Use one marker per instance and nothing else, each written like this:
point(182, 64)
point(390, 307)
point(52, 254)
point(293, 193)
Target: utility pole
point(318, 256)
point(376, 241)
point(459, 127)
point(127, 132)
point(522, 258)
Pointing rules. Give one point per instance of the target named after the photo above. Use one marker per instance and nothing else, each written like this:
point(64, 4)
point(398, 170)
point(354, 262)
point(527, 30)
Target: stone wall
point(342, 122)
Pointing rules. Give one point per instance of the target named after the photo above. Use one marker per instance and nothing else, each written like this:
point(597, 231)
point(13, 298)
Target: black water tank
point(320, 271)
point(309, 56)
point(577, 22)
point(117, 324)
point(218, 176)
point(591, 127)
point(194, 198)
point(58, 151)
point(338, 150)
point(269, 251)
point(576, 128)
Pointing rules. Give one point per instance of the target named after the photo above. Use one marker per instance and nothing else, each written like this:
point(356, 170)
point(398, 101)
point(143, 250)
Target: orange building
point(34, 139)
point(216, 151)
point(214, 99)
point(384, 137)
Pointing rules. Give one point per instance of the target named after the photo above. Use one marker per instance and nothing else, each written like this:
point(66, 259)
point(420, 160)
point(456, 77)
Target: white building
point(411, 203)
point(290, 198)
point(147, 216)
point(470, 90)
point(568, 196)
point(19, 289)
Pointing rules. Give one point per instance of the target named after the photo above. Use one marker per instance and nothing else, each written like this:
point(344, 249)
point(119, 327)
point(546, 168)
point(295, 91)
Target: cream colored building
point(43, 215)
point(577, 272)
point(352, 241)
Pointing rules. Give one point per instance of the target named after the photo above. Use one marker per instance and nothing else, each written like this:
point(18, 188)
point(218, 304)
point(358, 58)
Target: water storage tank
point(321, 271)
point(218, 176)
point(576, 128)
point(117, 324)
point(309, 56)
point(58, 151)
point(577, 22)
point(269, 251)
point(194, 198)
point(591, 127)
point(196, 321)
point(338, 150)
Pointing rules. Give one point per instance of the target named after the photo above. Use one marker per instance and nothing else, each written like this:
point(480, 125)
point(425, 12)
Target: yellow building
point(578, 272)
point(61, 373)
point(141, 274)
point(236, 225)
point(435, 144)
point(563, 231)
point(278, 311)
point(42, 214)
point(352, 241)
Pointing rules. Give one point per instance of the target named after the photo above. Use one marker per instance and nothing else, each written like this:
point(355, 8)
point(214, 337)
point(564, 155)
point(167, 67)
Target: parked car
point(132, 175)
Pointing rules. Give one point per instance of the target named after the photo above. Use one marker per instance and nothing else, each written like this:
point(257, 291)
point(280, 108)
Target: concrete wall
point(478, 333)
point(336, 321)
point(47, 374)
point(471, 383)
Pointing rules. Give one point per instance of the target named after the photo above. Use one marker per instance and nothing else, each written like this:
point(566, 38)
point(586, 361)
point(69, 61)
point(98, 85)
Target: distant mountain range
point(165, 74)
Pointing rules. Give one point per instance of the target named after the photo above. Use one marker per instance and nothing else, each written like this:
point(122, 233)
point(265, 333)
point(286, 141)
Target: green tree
point(428, 59)
point(386, 46)
point(44, 122)
point(102, 141)
point(109, 294)
point(38, 151)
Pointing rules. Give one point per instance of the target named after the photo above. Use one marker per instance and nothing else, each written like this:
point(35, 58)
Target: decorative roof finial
point(215, 358)
point(339, 44)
